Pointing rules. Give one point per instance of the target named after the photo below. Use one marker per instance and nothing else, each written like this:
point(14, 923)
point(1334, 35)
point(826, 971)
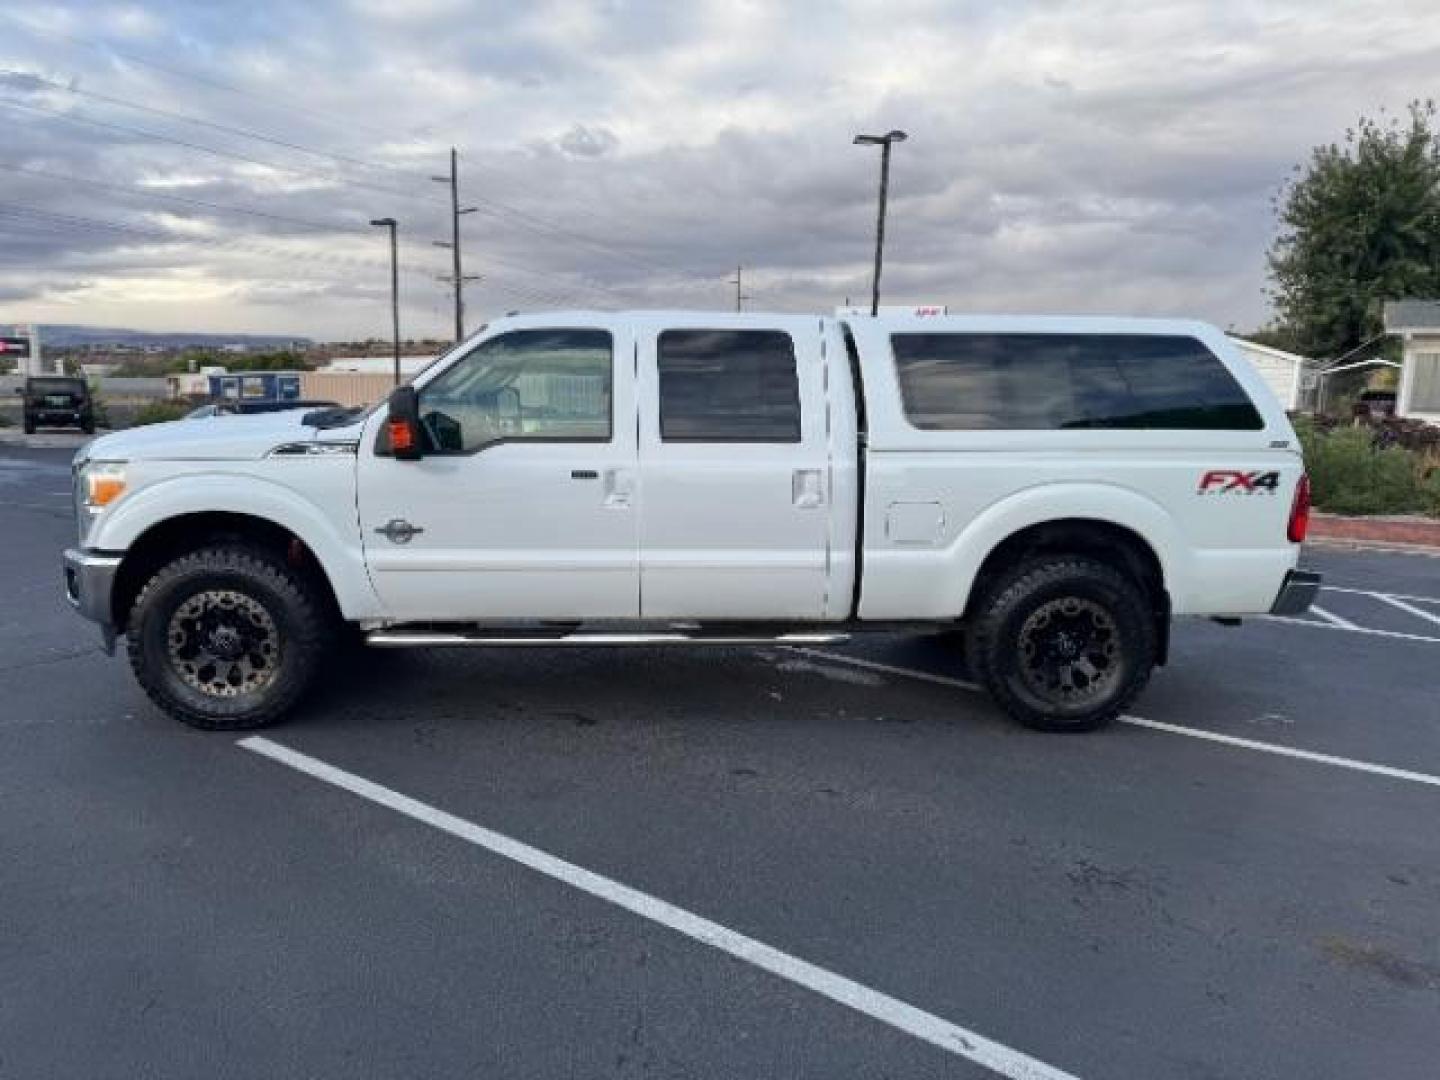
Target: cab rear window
point(1040, 382)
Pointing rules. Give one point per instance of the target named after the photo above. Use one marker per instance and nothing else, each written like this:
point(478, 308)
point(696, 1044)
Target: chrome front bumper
point(89, 582)
point(1297, 593)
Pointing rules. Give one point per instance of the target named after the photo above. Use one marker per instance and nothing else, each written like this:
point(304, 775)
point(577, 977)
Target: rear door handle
point(619, 486)
point(584, 474)
point(807, 490)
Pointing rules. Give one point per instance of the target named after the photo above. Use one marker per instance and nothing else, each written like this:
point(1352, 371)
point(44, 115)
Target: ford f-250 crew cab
point(1050, 490)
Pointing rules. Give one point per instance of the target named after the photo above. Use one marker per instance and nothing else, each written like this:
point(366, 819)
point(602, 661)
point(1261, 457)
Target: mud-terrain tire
point(226, 638)
point(1063, 642)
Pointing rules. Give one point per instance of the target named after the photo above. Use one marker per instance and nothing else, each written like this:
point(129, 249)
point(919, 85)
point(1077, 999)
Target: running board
point(413, 639)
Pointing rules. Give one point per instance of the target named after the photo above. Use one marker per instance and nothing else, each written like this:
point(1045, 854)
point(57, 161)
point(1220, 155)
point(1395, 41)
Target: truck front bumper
point(1297, 593)
point(89, 582)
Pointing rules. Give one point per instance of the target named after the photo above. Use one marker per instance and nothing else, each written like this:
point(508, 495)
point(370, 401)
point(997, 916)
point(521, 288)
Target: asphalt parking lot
point(764, 863)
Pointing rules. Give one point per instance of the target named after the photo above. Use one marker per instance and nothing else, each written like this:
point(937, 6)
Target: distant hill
point(62, 336)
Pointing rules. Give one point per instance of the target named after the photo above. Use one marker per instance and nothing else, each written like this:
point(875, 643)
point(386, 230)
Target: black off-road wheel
point(1063, 643)
point(226, 638)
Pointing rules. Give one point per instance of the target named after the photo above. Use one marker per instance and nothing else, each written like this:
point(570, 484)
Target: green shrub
point(98, 407)
point(1349, 476)
point(158, 412)
point(1429, 478)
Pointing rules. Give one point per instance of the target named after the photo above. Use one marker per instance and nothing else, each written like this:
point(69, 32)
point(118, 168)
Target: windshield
point(57, 386)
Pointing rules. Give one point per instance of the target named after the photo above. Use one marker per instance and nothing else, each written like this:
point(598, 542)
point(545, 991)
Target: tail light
point(1300, 511)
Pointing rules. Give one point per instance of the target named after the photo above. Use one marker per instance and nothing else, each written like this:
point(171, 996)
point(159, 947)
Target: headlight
point(101, 483)
point(97, 485)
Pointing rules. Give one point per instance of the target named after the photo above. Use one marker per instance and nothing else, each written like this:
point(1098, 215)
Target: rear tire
point(1063, 643)
point(29, 426)
point(226, 638)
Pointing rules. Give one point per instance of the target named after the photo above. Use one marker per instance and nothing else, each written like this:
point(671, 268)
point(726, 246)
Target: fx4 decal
point(1223, 480)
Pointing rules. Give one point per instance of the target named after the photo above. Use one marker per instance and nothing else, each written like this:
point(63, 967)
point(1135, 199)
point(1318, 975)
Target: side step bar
point(412, 639)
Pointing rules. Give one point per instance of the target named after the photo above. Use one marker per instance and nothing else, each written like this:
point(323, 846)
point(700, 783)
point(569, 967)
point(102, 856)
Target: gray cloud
point(581, 141)
point(1082, 156)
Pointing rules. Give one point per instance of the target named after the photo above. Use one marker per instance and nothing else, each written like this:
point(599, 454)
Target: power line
point(288, 105)
point(242, 245)
point(51, 220)
point(316, 226)
point(186, 200)
point(212, 124)
point(335, 121)
point(523, 219)
point(300, 222)
point(50, 217)
point(333, 178)
point(527, 221)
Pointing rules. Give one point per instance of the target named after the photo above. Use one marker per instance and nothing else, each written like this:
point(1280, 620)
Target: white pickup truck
point(1050, 490)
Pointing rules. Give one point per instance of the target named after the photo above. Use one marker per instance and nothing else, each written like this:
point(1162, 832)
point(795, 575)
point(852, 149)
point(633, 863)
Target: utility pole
point(389, 223)
point(740, 296)
point(458, 277)
point(884, 142)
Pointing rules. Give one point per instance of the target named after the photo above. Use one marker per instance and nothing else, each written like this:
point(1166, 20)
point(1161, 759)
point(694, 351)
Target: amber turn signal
point(402, 436)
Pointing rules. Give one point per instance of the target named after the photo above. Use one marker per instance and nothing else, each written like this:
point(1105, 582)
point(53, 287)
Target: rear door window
point(1048, 382)
point(728, 386)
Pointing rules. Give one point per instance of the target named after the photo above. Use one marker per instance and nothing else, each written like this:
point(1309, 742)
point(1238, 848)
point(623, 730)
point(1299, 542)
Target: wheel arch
point(171, 537)
point(1119, 546)
point(187, 510)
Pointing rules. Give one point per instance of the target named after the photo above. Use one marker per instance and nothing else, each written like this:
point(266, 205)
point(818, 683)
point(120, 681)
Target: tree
point(1360, 225)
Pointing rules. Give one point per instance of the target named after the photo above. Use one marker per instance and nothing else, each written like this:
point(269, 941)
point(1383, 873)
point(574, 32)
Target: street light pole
point(884, 142)
point(389, 223)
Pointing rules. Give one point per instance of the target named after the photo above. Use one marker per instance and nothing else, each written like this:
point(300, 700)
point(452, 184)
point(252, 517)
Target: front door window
point(537, 385)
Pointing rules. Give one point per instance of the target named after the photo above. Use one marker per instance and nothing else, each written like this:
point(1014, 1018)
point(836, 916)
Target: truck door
point(735, 514)
point(524, 504)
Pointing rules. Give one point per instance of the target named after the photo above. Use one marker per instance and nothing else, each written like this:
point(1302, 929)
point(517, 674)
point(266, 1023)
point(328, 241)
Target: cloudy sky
point(213, 166)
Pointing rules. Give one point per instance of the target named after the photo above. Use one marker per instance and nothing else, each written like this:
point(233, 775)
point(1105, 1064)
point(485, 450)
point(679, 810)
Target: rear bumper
point(47, 417)
point(89, 583)
point(1297, 593)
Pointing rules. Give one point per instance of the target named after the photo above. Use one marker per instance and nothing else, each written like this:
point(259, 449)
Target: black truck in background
point(57, 401)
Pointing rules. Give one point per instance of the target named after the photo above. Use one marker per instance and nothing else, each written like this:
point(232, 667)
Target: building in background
point(1417, 324)
point(376, 365)
point(1291, 376)
point(21, 345)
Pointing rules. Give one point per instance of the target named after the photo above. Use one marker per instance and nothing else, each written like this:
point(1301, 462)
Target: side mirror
point(407, 441)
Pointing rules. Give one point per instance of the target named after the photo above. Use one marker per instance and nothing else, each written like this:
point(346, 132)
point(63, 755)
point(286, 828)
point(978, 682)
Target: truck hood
point(216, 438)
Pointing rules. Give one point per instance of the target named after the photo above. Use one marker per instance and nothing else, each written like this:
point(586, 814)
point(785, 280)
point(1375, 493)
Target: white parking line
point(891, 669)
point(1389, 771)
point(1396, 602)
point(1332, 618)
point(1288, 751)
point(888, 1010)
point(1397, 634)
point(1372, 592)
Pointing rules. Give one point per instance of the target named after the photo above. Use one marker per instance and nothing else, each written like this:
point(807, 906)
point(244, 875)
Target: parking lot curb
point(1401, 533)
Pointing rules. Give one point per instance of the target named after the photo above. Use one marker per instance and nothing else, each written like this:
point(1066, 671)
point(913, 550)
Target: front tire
point(1064, 643)
point(226, 638)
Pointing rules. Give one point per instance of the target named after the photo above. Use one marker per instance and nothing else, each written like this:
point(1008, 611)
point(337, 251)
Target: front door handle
point(584, 474)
